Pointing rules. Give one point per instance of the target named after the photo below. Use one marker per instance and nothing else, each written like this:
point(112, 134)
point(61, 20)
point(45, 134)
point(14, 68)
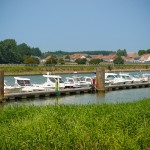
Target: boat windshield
point(146, 75)
point(52, 80)
point(70, 80)
point(116, 76)
point(23, 82)
point(60, 80)
point(126, 77)
point(112, 76)
point(55, 79)
point(88, 80)
point(76, 79)
point(6, 83)
point(82, 79)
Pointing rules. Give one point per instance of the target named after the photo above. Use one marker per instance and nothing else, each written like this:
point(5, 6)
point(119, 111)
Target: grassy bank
point(107, 126)
point(29, 70)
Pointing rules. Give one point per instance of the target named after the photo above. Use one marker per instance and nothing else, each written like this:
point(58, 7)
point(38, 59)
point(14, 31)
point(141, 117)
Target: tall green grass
point(123, 126)
point(40, 69)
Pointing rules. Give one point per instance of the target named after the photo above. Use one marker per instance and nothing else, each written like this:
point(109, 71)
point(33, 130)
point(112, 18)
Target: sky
point(77, 25)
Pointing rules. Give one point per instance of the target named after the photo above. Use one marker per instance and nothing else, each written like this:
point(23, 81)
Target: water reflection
point(100, 97)
point(86, 99)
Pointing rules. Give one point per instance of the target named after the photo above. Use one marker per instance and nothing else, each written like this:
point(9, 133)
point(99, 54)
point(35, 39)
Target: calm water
point(82, 99)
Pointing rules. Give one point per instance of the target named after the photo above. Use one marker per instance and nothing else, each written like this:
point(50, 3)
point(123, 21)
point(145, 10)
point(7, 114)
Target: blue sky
point(77, 25)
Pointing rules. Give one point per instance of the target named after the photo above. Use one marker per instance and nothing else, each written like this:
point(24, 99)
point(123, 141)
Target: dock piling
point(100, 80)
point(1, 85)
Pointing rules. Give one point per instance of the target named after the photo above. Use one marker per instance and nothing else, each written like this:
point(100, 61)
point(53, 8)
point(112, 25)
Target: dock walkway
point(36, 94)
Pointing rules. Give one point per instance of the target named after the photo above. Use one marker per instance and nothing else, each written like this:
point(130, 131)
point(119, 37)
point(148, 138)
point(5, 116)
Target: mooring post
point(100, 80)
point(1, 85)
point(57, 87)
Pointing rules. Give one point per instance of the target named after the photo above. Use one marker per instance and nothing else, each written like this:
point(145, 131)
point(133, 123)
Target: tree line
point(12, 53)
point(62, 53)
point(142, 52)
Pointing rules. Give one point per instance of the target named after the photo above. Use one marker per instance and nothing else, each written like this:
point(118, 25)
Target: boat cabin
point(52, 80)
point(22, 81)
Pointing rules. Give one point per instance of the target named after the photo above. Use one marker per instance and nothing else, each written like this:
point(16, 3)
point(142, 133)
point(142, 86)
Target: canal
point(81, 99)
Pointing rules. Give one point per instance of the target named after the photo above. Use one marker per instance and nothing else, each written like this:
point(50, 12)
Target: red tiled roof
point(97, 56)
point(146, 55)
point(132, 55)
point(48, 57)
point(111, 56)
point(76, 56)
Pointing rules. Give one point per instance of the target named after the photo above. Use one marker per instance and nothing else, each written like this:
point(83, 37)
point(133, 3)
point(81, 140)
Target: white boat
point(76, 81)
point(51, 81)
point(145, 77)
point(86, 81)
point(9, 88)
point(131, 78)
point(26, 86)
point(7, 85)
point(126, 78)
point(114, 78)
point(82, 81)
point(107, 81)
point(72, 83)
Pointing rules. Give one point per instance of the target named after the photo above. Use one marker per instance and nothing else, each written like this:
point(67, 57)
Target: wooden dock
point(36, 94)
point(127, 86)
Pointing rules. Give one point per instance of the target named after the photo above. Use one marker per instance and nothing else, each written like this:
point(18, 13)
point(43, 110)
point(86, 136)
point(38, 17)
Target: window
point(60, 80)
point(110, 77)
point(21, 82)
point(52, 80)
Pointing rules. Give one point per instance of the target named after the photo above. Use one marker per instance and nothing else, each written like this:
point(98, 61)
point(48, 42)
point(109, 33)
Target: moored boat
point(51, 81)
point(9, 88)
point(72, 83)
point(114, 78)
point(26, 86)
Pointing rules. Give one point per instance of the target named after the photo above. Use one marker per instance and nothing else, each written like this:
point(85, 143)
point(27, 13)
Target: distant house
point(45, 59)
point(96, 56)
point(109, 58)
point(132, 57)
point(145, 58)
point(77, 56)
point(106, 58)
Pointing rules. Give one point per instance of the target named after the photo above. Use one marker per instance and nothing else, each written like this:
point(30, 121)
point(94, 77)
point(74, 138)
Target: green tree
point(61, 61)
point(12, 53)
point(121, 52)
point(81, 61)
point(8, 52)
point(95, 61)
point(52, 60)
point(148, 51)
point(67, 57)
point(141, 52)
point(24, 49)
point(110, 67)
point(36, 52)
point(118, 60)
point(31, 60)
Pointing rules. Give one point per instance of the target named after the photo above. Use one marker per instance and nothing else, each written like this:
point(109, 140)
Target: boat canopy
point(51, 76)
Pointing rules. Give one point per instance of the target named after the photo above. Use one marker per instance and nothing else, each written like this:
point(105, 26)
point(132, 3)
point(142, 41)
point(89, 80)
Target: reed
point(70, 127)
